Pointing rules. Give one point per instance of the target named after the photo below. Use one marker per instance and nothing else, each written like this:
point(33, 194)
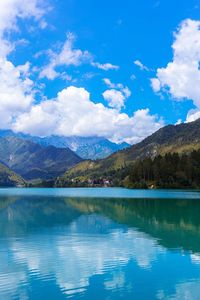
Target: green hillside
point(180, 139)
point(10, 178)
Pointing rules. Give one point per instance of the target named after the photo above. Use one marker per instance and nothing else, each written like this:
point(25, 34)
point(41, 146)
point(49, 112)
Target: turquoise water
point(102, 192)
point(99, 244)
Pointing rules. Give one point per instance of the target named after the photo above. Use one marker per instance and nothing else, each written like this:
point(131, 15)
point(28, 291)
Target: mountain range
point(33, 161)
point(36, 158)
point(85, 147)
point(182, 138)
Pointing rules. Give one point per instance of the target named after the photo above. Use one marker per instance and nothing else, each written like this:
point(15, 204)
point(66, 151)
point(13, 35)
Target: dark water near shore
point(99, 244)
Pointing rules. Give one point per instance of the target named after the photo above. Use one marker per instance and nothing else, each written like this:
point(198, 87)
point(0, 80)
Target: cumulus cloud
point(141, 65)
point(72, 112)
point(156, 85)
point(181, 77)
point(114, 98)
point(193, 115)
point(15, 92)
point(117, 94)
point(105, 67)
point(67, 56)
point(16, 88)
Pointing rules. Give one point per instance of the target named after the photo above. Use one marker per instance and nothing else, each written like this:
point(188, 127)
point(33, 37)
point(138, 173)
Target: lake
point(99, 244)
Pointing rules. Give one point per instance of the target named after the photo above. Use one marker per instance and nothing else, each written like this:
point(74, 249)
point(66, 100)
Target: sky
point(111, 68)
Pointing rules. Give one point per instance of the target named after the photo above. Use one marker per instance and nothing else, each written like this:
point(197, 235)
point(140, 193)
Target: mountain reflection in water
point(99, 248)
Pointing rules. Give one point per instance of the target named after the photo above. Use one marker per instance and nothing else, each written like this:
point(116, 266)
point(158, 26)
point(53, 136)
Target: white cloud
point(67, 56)
point(112, 85)
point(178, 122)
point(114, 98)
point(24, 69)
point(10, 12)
point(72, 112)
point(181, 77)
point(49, 72)
point(155, 83)
point(141, 65)
point(105, 67)
point(16, 89)
point(16, 93)
point(117, 94)
point(126, 92)
point(193, 115)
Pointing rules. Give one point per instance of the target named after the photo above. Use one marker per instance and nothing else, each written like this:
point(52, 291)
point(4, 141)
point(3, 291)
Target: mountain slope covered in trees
point(183, 138)
point(9, 178)
point(171, 170)
point(33, 161)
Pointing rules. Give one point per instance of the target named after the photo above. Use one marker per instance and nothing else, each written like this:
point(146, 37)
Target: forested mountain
point(183, 138)
point(33, 161)
point(156, 161)
point(85, 147)
point(169, 171)
point(9, 178)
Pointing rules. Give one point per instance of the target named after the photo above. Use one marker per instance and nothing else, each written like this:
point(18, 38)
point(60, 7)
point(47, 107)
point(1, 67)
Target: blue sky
point(99, 67)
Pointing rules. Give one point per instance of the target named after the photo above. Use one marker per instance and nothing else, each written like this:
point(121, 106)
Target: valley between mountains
point(168, 158)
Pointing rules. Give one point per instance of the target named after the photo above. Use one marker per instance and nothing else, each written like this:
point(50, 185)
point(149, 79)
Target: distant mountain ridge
point(33, 161)
point(85, 147)
point(182, 138)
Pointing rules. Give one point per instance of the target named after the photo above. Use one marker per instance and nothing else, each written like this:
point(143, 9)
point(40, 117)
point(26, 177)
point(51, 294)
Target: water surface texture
point(99, 244)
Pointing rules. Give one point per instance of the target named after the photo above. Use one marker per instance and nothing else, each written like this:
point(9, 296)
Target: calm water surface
point(99, 244)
